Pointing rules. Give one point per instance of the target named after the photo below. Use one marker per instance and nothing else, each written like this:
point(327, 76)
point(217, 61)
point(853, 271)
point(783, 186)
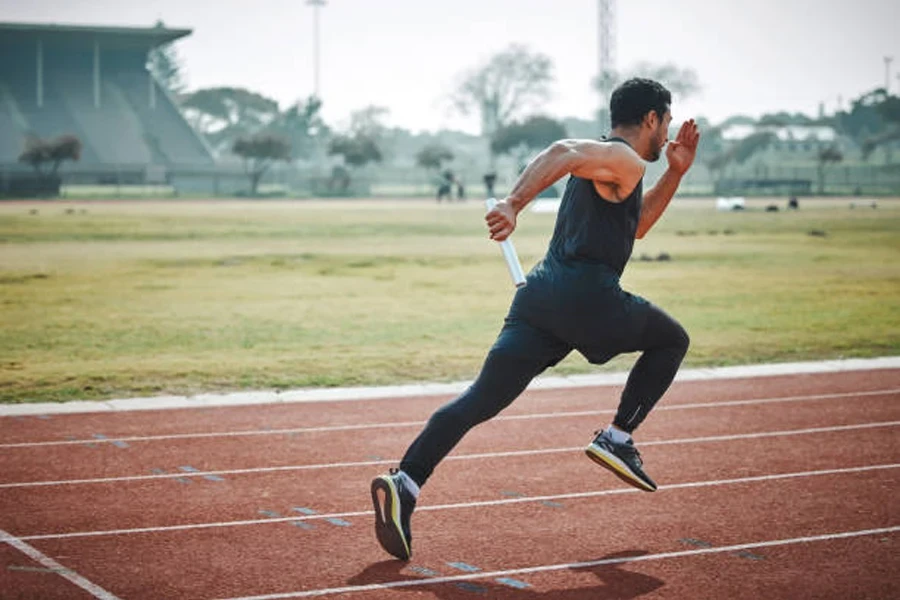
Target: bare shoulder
point(614, 167)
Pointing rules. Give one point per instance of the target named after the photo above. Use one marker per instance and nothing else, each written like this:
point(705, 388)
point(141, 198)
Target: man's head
point(641, 107)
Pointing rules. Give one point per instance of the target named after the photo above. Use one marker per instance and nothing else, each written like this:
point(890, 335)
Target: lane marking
point(401, 424)
point(473, 504)
point(436, 389)
point(454, 457)
point(579, 565)
point(50, 564)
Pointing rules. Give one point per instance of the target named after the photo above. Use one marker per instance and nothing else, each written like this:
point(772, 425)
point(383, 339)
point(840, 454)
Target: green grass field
point(114, 299)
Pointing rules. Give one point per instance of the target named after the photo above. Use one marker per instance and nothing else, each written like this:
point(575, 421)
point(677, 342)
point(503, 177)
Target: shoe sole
point(388, 529)
point(617, 467)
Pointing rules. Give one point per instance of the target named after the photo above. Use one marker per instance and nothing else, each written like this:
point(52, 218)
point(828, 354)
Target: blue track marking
point(471, 587)
point(305, 511)
point(270, 513)
point(464, 567)
point(750, 555)
point(512, 494)
point(520, 585)
point(424, 571)
point(303, 525)
point(339, 522)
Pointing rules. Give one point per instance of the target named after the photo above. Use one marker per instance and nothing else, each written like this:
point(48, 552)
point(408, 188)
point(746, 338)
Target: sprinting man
point(572, 300)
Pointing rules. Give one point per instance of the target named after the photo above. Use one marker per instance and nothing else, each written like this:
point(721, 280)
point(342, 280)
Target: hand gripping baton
point(509, 252)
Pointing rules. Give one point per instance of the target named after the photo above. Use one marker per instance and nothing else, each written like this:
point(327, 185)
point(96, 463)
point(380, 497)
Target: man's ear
point(651, 120)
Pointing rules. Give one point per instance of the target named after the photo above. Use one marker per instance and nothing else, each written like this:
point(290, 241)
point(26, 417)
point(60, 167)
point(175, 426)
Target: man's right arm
point(603, 162)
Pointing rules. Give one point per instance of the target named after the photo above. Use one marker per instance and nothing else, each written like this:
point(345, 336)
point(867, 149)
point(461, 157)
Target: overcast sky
point(751, 57)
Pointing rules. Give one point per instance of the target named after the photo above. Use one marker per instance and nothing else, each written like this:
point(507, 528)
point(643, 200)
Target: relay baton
point(509, 252)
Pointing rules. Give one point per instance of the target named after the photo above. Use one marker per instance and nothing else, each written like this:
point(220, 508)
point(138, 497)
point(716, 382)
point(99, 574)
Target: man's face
point(660, 136)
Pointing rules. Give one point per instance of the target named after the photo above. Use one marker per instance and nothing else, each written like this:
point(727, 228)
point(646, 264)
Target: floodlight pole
point(887, 73)
point(316, 4)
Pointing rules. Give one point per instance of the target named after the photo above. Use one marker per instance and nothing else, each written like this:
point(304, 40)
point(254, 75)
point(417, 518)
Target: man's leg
point(664, 343)
point(520, 353)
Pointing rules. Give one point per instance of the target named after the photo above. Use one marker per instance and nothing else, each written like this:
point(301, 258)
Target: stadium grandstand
point(93, 83)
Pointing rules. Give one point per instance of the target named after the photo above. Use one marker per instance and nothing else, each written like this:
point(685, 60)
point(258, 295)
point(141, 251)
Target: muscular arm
point(680, 154)
point(610, 163)
point(656, 200)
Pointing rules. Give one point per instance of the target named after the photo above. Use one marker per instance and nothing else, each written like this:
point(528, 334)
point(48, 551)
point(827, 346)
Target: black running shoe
point(623, 460)
point(394, 504)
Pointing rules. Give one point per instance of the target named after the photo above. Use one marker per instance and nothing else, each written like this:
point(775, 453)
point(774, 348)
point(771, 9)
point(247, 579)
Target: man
point(572, 300)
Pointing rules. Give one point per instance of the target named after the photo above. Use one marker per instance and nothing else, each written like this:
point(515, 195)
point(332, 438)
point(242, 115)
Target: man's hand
point(683, 149)
point(501, 221)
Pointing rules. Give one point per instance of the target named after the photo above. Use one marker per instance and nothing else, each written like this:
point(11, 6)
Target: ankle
point(618, 435)
point(410, 484)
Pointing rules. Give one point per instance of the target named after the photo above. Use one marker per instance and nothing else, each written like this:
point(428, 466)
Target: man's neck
point(629, 134)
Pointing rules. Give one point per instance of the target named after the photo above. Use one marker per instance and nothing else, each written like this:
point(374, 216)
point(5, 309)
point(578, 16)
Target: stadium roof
point(141, 37)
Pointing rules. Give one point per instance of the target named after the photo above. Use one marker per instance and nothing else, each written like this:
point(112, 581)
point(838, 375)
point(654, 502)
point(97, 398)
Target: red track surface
point(777, 487)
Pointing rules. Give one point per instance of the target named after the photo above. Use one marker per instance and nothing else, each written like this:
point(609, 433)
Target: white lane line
point(579, 565)
point(38, 556)
point(464, 505)
point(401, 424)
point(435, 389)
point(474, 456)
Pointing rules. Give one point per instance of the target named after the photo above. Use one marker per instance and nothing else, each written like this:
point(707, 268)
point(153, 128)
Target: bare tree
point(510, 83)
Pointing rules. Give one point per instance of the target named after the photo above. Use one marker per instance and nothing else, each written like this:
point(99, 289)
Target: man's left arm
point(680, 155)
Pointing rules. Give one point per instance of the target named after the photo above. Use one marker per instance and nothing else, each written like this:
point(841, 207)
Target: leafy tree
point(519, 139)
point(45, 156)
point(433, 156)
point(358, 150)
point(165, 64)
point(829, 154)
point(225, 114)
point(508, 84)
point(302, 125)
point(259, 153)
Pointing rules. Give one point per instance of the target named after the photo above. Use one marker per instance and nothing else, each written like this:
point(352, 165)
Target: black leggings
point(522, 351)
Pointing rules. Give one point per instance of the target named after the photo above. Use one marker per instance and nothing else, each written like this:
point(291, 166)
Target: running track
point(782, 486)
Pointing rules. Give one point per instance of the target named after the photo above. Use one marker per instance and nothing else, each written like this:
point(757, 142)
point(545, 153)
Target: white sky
point(751, 57)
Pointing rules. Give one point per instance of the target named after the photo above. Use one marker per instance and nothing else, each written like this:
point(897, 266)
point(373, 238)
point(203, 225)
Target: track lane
point(280, 557)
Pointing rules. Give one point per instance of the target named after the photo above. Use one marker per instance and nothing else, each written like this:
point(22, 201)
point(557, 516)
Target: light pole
point(316, 4)
point(887, 73)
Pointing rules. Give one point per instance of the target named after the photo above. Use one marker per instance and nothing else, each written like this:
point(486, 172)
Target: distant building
point(789, 138)
point(93, 82)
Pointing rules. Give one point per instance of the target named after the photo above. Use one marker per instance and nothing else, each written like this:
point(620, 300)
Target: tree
point(829, 154)
point(302, 125)
point(357, 149)
point(259, 153)
point(508, 84)
point(226, 114)
point(40, 153)
point(682, 82)
point(433, 156)
point(519, 139)
point(872, 121)
point(165, 64)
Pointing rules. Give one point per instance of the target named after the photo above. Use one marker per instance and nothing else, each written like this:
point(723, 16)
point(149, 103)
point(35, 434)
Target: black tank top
point(590, 229)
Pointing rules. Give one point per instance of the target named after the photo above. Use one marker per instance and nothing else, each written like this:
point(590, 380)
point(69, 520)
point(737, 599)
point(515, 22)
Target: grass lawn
point(114, 299)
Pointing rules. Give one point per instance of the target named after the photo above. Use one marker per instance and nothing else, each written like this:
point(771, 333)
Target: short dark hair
point(633, 99)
